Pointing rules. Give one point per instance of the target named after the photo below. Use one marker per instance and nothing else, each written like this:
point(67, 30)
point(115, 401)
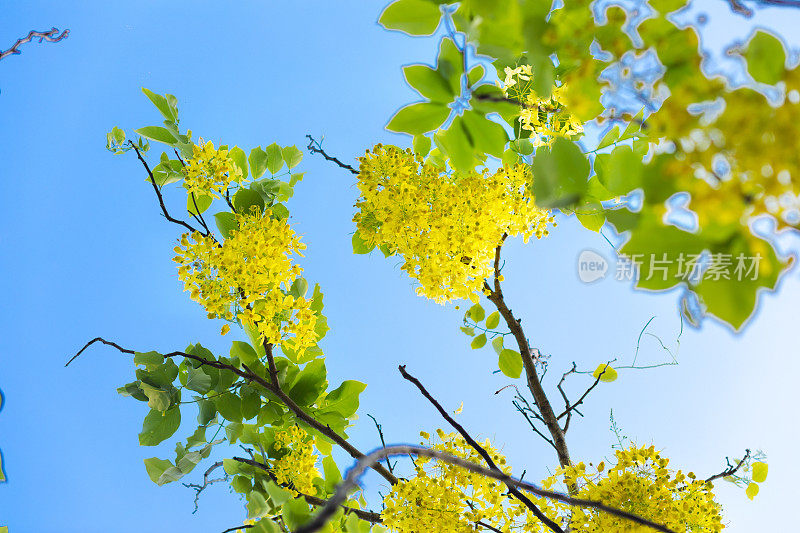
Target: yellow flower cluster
point(445, 226)
point(209, 171)
point(247, 277)
point(298, 466)
point(641, 483)
point(546, 119)
point(443, 497)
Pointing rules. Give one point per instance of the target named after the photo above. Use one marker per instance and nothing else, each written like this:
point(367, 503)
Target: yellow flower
point(209, 172)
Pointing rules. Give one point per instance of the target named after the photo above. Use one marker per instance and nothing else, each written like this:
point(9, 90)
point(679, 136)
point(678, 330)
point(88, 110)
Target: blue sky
point(84, 252)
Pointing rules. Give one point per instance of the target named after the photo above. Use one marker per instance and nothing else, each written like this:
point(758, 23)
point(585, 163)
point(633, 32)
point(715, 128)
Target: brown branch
point(316, 148)
point(737, 6)
point(534, 383)
point(252, 377)
point(480, 449)
point(354, 473)
point(158, 192)
point(731, 470)
point(51, 36)
point(569, 408)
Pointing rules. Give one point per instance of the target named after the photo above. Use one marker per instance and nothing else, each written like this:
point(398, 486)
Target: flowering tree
point(499, 147)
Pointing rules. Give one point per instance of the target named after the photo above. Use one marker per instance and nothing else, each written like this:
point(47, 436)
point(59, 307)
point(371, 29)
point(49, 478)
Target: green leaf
point(476, 313)
point(256, 505)
point(468, 331)
point(428, 83)
point(149, 360)
point(310, 383)
point(233, 431)
point(493, 321)
point(277, 494)
point(760, 471)
point(206, 411)
point(766, 58)
point(198, 204)
point(591, 216)
point(605, 373)
point(251, 402)
point(609, 138)
point(198, 380)
point(226, 223)
point(415, 17)
point(258, 162)
point(332, 474)
point(510, 363)
point(245, 199)
point(360, 246)
point(156, 468)
point(299, 287)
point(229, 405)
point(240, 159)
point(344, 398)
point(419, 118)
point(274, 158)
point(621, 171)
point(421, 144)
point(478, 342)
point(265, 525)
point(161, 103)
point(497, 344)
point(2, 472)
point(292, 156)
point(559, 174)
point(752, 490)
point(475, 75)
point(159, 426)
point(118, 135)
point(295, 513)
point(244, 352)
point(157, 398)
point(486, 136)
point(457, 144)
point(157, 133)
point(450, 64)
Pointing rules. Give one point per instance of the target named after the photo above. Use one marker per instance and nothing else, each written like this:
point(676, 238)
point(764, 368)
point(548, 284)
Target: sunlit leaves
point(415, 17)
point(429, 83)
point(419, 118)
point(344, 398)
point(157, 133)
point(766, 58)
point(559, 174)
point(510, 363)
point(478, 342)
point(167, 105)
point(760, 470)
point(752, 490)
point(159, 426)
point(493, 320)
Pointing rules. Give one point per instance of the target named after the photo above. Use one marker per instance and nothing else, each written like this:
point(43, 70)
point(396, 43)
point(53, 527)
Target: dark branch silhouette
point(51, 36)
point(732, 469)
point(315, 147)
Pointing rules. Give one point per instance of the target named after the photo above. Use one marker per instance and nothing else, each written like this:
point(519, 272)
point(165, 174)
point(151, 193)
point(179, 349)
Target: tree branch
point(251, 376)
point(51, 36)
point(731, 470)
point(206, 482)
point(737, 6)
point(534, 383)
point(355, 472)
point(316, 148)
point(569, 408)
point(158, 192)
point(480, 449)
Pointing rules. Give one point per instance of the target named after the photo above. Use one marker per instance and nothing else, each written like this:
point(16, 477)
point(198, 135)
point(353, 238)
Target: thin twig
point(206, 482)
point(383, 442)
point(51, 36)
point(731, 468)
point(316, 148)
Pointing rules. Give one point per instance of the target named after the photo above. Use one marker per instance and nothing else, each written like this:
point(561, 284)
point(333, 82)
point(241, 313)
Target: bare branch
point(383, 442)
point(206, 482)
point(480, 449)
point(354, 473)
point(569, 408)
point(732, 469)
point(51, 36)
point(316, 148)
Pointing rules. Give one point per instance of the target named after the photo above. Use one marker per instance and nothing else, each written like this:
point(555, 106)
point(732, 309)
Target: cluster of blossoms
point(298, 466)
point(248, 277)
point(545, 118)
point(445, 226)
point(443, 497)
point(210, 171)
point(641, 483)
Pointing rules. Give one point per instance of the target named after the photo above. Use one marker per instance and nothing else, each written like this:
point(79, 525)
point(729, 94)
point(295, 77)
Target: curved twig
point(51, 36)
